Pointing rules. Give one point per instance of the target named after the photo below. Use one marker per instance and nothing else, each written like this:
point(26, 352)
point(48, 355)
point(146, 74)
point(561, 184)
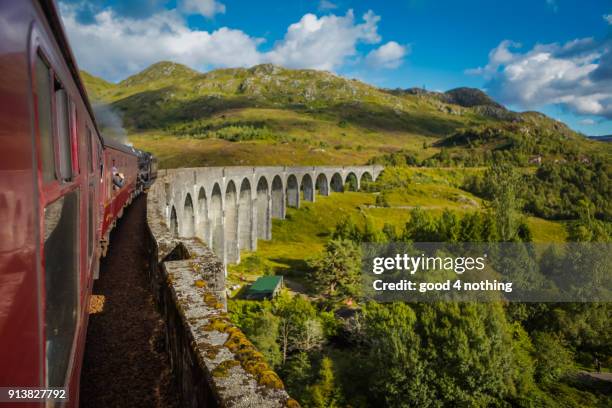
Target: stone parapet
point(213, 363)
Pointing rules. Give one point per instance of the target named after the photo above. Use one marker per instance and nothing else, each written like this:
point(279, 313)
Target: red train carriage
point(56, 200)
point(120, 184)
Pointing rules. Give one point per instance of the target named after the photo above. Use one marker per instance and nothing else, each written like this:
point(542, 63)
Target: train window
point(74, 146)
point(90, 164)
point(62, 110)
point(90, 224)
point(100, 158)
point(61, 255)
point(43, 96)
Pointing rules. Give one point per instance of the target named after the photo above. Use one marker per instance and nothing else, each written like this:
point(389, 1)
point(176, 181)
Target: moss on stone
point(251, 359)
point(291, 403)
point(218, 324)
point(212, 301)
point(245, 353)
point(270, 379)
point(222, 370)
point(200, 283)
point(210, 351)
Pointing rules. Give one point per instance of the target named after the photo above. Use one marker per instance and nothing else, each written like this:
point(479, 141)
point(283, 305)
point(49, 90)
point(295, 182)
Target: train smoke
point(110, 123)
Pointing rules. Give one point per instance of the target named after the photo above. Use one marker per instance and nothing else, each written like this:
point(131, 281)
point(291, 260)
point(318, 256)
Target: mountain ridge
point(306, 116)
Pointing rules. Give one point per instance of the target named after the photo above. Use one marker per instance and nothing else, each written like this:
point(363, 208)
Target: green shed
point(266, 287)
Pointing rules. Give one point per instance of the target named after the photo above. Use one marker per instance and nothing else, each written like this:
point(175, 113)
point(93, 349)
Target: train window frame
point(74, 138)
point(76, 309)
point(47, 161)
point(90, 153)
point(63, 130)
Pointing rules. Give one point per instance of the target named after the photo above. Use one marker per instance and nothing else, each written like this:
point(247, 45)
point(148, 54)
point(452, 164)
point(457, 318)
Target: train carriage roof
point(50, 9)
point(116, 145)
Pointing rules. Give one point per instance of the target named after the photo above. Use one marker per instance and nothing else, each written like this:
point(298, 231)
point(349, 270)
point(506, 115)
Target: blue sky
point(554, 56)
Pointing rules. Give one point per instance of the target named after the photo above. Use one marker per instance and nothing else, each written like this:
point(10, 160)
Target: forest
point(335, 348)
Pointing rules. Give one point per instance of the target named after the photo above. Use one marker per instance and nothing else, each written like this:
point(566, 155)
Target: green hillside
point(96, 87)
point(272, 115)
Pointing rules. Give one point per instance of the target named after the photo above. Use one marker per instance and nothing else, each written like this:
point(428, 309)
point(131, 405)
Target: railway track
point(125, 364)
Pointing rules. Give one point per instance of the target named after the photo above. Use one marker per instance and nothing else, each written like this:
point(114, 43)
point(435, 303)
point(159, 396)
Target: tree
point(264, 334)
point(337, 272)
point(553, 360)
point(311, 337)
point(390, 232)
point(260, 325)
point(299, 328)
point(371, 233)
point(448, 227)
point(502, 182)
point(440, 354)
point(324, 393)
point(382, 199)
point(587, 228)
point(392, 356)
point(346, 229)
point(421, 227)
point(297, 375)
point(471, 228)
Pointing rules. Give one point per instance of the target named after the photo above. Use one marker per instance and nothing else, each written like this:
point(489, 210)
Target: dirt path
point(125, 364)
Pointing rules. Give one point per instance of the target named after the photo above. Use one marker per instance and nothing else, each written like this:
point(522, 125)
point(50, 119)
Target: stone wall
point(212, 361)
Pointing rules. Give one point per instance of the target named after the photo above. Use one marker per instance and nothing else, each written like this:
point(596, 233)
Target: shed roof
point(265, 285)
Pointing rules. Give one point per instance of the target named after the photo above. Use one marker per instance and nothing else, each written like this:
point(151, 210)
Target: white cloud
point(608, 18)
point(497, 56)
point(576, 75)
point(324, 42)
point(587, 122)
point(325, 5)
point(389, 55)
point(114, 46)
point(207, 8)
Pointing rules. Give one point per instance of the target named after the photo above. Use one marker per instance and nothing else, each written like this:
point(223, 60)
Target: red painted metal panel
point(20, 311)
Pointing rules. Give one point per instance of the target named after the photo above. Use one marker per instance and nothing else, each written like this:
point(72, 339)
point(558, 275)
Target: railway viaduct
point(198, 220)
point(230, 208)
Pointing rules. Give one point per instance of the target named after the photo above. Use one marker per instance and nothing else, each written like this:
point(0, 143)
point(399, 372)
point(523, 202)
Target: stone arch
point(188, 218)
point(352, 182)
point(366, 180)
point(322, 185)
point(202, 217)
point(307, 188)
point(245, 216)
point(263, 209)
point(231, 224)
point(336, 183)
point(173, 223)
point(278, 198)
point(215, 213)
point(293, 192)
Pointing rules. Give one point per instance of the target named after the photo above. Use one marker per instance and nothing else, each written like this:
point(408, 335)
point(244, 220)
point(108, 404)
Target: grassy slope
point(96, 87)
point(304, 111)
